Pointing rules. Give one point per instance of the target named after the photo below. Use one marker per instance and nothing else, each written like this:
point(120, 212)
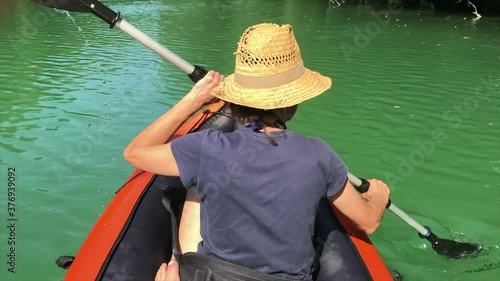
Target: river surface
point(415, 102)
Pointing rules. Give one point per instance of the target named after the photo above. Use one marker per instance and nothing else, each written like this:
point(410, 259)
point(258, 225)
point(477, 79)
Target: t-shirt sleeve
point(337, 175)
point(187, 153)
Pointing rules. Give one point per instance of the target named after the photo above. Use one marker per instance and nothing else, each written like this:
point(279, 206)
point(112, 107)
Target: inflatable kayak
point(134, 234)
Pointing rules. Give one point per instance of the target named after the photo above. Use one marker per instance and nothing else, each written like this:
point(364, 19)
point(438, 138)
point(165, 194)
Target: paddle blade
point(68, 5)
point(453, 249)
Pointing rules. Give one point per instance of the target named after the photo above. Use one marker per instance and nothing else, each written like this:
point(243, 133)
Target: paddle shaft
point(147, 41)
point(422, 230)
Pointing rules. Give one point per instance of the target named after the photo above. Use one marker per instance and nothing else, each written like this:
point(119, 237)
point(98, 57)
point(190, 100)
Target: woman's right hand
point(201, 93)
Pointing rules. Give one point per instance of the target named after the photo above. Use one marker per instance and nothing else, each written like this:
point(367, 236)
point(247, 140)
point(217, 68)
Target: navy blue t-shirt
point(259, 201)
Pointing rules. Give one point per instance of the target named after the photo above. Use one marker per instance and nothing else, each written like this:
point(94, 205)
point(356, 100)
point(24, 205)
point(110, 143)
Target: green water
point(415, 101)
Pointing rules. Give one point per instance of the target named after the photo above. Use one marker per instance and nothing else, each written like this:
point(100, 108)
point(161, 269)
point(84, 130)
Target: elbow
point(128, 155)
point(369, 229)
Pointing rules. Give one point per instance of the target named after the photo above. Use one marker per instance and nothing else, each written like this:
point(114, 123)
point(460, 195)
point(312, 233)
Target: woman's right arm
point(149, 150)
point(365, 210)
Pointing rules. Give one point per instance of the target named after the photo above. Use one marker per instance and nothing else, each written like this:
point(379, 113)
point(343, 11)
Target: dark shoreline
point(484, 7)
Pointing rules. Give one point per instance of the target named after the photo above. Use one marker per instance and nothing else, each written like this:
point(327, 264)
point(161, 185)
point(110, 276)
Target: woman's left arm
point(149, 151)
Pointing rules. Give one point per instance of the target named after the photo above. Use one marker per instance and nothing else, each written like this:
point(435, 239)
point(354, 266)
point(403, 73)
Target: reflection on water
point(415, 102)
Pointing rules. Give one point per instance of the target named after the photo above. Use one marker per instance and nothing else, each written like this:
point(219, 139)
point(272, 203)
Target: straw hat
point(269, 71)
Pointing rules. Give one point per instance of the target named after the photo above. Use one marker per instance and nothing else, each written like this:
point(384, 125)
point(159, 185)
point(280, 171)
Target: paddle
point(445, 247)
point(103, 12)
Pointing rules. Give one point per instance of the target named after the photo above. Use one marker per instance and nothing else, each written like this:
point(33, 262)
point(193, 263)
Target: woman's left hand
point(168, 272)
point(201, 93)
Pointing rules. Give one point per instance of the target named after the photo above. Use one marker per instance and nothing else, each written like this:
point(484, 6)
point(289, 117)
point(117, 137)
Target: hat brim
point(307, 86)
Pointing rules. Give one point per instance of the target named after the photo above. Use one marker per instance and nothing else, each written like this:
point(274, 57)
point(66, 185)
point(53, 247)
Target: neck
point(273, 129)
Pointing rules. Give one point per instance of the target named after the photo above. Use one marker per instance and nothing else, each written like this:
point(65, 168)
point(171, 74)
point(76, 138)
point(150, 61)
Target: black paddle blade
point(68, 5)
point(93, 6)
point(453, 249)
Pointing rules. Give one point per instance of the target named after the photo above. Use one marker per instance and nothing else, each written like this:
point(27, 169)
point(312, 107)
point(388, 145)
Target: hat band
point(270, 81)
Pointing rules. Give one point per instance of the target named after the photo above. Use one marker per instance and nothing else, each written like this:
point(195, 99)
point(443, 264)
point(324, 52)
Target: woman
point(259, 186)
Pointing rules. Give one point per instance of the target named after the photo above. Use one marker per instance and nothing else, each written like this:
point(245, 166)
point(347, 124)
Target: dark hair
point(245, 114)
point(275, 118)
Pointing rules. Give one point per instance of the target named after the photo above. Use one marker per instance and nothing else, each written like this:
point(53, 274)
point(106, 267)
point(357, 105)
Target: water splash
point(475, 12)
point(74, 22)
point(484, 267)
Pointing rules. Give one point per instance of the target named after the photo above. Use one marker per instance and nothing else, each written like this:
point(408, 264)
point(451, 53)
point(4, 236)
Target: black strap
point(199, 267)
point(167, 203)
